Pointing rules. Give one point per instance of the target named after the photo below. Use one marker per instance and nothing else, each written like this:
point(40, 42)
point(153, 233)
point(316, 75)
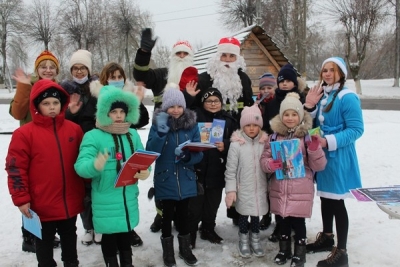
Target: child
point(48, 143)
point(293, 198)
point(339, 115)
point(210, 171)
point(246, 183)
point(101, 155)
point(174, 175)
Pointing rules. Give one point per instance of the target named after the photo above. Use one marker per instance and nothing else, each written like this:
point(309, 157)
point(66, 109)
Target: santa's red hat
point(188, 75)
point(182, 46)
point(229, 45)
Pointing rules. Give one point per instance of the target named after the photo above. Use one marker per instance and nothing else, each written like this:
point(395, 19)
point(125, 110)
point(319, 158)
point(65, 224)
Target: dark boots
point(185, 252)
point(125, 258)
point(285, 250)
point(168, 251)
point(337, 258)
point(136, 241)
point(71, 263)
point(156, 225)
point(299, 256)
point(265, 221)
point(274, 237)
point(193, 237)
point(111, 261)
point(211, 235)
point(323, 242)
point(28, 244)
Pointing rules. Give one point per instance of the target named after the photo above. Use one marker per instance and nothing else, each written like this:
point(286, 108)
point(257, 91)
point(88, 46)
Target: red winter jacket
point(40, 162)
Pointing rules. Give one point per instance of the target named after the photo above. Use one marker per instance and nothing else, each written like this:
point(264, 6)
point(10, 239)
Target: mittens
point(142, 174)
point(71, 87)
point(147, 42)
point(101, 160)
point(182, 154)
point(230, 198)
point(314, 143)
point(275, 164)
point(162, 122)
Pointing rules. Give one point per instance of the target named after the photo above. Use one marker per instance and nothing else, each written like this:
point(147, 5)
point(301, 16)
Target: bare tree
point(41, 25)
point(161, 56)
point(9, 23)
point(360, 19)
point(237, 14)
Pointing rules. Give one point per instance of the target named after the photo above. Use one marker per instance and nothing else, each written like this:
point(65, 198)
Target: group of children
point(242, 163)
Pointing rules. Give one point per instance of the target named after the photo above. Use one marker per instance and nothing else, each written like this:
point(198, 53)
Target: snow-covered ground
point(373, 237)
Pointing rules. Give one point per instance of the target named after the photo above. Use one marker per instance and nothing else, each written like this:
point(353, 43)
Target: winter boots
point(323, 242)
point(337, 258)
point(244, 246)
point(28, 244)
point(285, 250)
point(87, 238)
point(125, 258)
point(265, 221)
point(168, 251)
point(136, 241)
point(71, 263)
point(185, 252)
point(255, 245)
point(299, 256)
point(156, 225)
point(111, 261)
point(193, 237)
point(211, 235)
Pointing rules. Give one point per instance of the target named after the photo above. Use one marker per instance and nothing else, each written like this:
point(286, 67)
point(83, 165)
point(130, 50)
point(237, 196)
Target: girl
point(46, 67)
point(48, 143)
point(339, 115)
point(101, 155)
point(293, 198)
point(210, 170)
point(246, 183)
point(174, 178)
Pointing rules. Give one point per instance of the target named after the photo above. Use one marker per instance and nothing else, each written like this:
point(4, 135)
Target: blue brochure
point(33, 224)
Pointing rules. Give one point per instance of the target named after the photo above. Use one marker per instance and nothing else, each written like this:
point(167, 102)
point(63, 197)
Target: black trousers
point(204, 209)
point(87, 213)
point(110, 243)
point(297, 224)
point(180, 209)
point(66, 229)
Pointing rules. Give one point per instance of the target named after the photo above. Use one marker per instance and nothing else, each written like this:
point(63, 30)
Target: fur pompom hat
point(251, 115)
point(110, 98)
point(47, 55)
point(292, 101)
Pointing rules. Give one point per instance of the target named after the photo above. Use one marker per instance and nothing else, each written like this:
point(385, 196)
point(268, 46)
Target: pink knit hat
point(251, 115)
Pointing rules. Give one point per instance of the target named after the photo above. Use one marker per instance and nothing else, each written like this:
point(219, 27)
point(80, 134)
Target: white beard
point(226, 80)
point(176, 66)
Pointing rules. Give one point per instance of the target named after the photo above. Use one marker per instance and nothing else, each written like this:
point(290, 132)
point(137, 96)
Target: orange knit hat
point(47, 55)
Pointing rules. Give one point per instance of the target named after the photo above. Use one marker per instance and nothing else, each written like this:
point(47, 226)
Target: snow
point(372, 240)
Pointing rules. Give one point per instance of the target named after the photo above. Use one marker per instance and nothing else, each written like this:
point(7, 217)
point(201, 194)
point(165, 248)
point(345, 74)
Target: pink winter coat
point(293, 197)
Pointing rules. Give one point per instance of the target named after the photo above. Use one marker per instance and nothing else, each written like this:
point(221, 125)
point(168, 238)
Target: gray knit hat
point(172, 96)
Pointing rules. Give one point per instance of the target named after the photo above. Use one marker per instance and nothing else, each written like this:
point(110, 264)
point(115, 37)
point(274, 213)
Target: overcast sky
point(195, 21)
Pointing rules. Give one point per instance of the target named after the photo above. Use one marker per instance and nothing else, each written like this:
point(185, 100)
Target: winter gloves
point(162, 122)
point(147, 42)
point(142, 175)
point(230, 198)
point(275, 164)
point(314, 143)
point(101, 160)
point(182, 154)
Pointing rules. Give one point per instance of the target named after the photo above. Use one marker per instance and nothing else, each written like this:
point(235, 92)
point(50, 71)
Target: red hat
point(229, 45)
point(189, 74)
point(182, 46)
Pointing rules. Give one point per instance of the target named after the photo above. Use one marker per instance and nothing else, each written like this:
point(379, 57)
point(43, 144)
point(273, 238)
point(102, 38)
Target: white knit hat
point(182, 46)
point(292, 101)
point(338, 61)
point(83, 57)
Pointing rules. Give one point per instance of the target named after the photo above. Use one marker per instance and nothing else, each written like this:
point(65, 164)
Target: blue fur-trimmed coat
point(174, 180)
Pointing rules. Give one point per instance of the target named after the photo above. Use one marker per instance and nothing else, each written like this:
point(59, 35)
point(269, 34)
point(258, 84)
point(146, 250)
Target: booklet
point(196, 146)
point(33, 224)
point(140, 160)
point(211, 132)
point(382, 194)
point(289, 151)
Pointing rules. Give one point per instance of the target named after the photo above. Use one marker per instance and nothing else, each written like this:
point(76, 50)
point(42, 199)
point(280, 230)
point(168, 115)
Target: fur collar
point(240, 137)
point(301, 131)
point(96, 86)
point(186, 121)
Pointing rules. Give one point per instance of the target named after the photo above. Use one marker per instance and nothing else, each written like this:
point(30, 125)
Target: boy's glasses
point(81, 69)
point(210, 102)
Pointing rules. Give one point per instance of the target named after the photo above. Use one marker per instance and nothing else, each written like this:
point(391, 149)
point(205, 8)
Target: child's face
point(330, 73)
point(212, 104)
point(50, 107)
point(116, 76)
point(175, 111)
point(117, 115)
point(269, 90)
point(290, 118)
point(286, 85)
point(47, 69)
point(251, 130)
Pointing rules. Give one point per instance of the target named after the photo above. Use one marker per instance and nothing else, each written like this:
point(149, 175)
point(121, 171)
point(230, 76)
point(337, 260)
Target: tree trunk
point(397, 47)
point(357, 83)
